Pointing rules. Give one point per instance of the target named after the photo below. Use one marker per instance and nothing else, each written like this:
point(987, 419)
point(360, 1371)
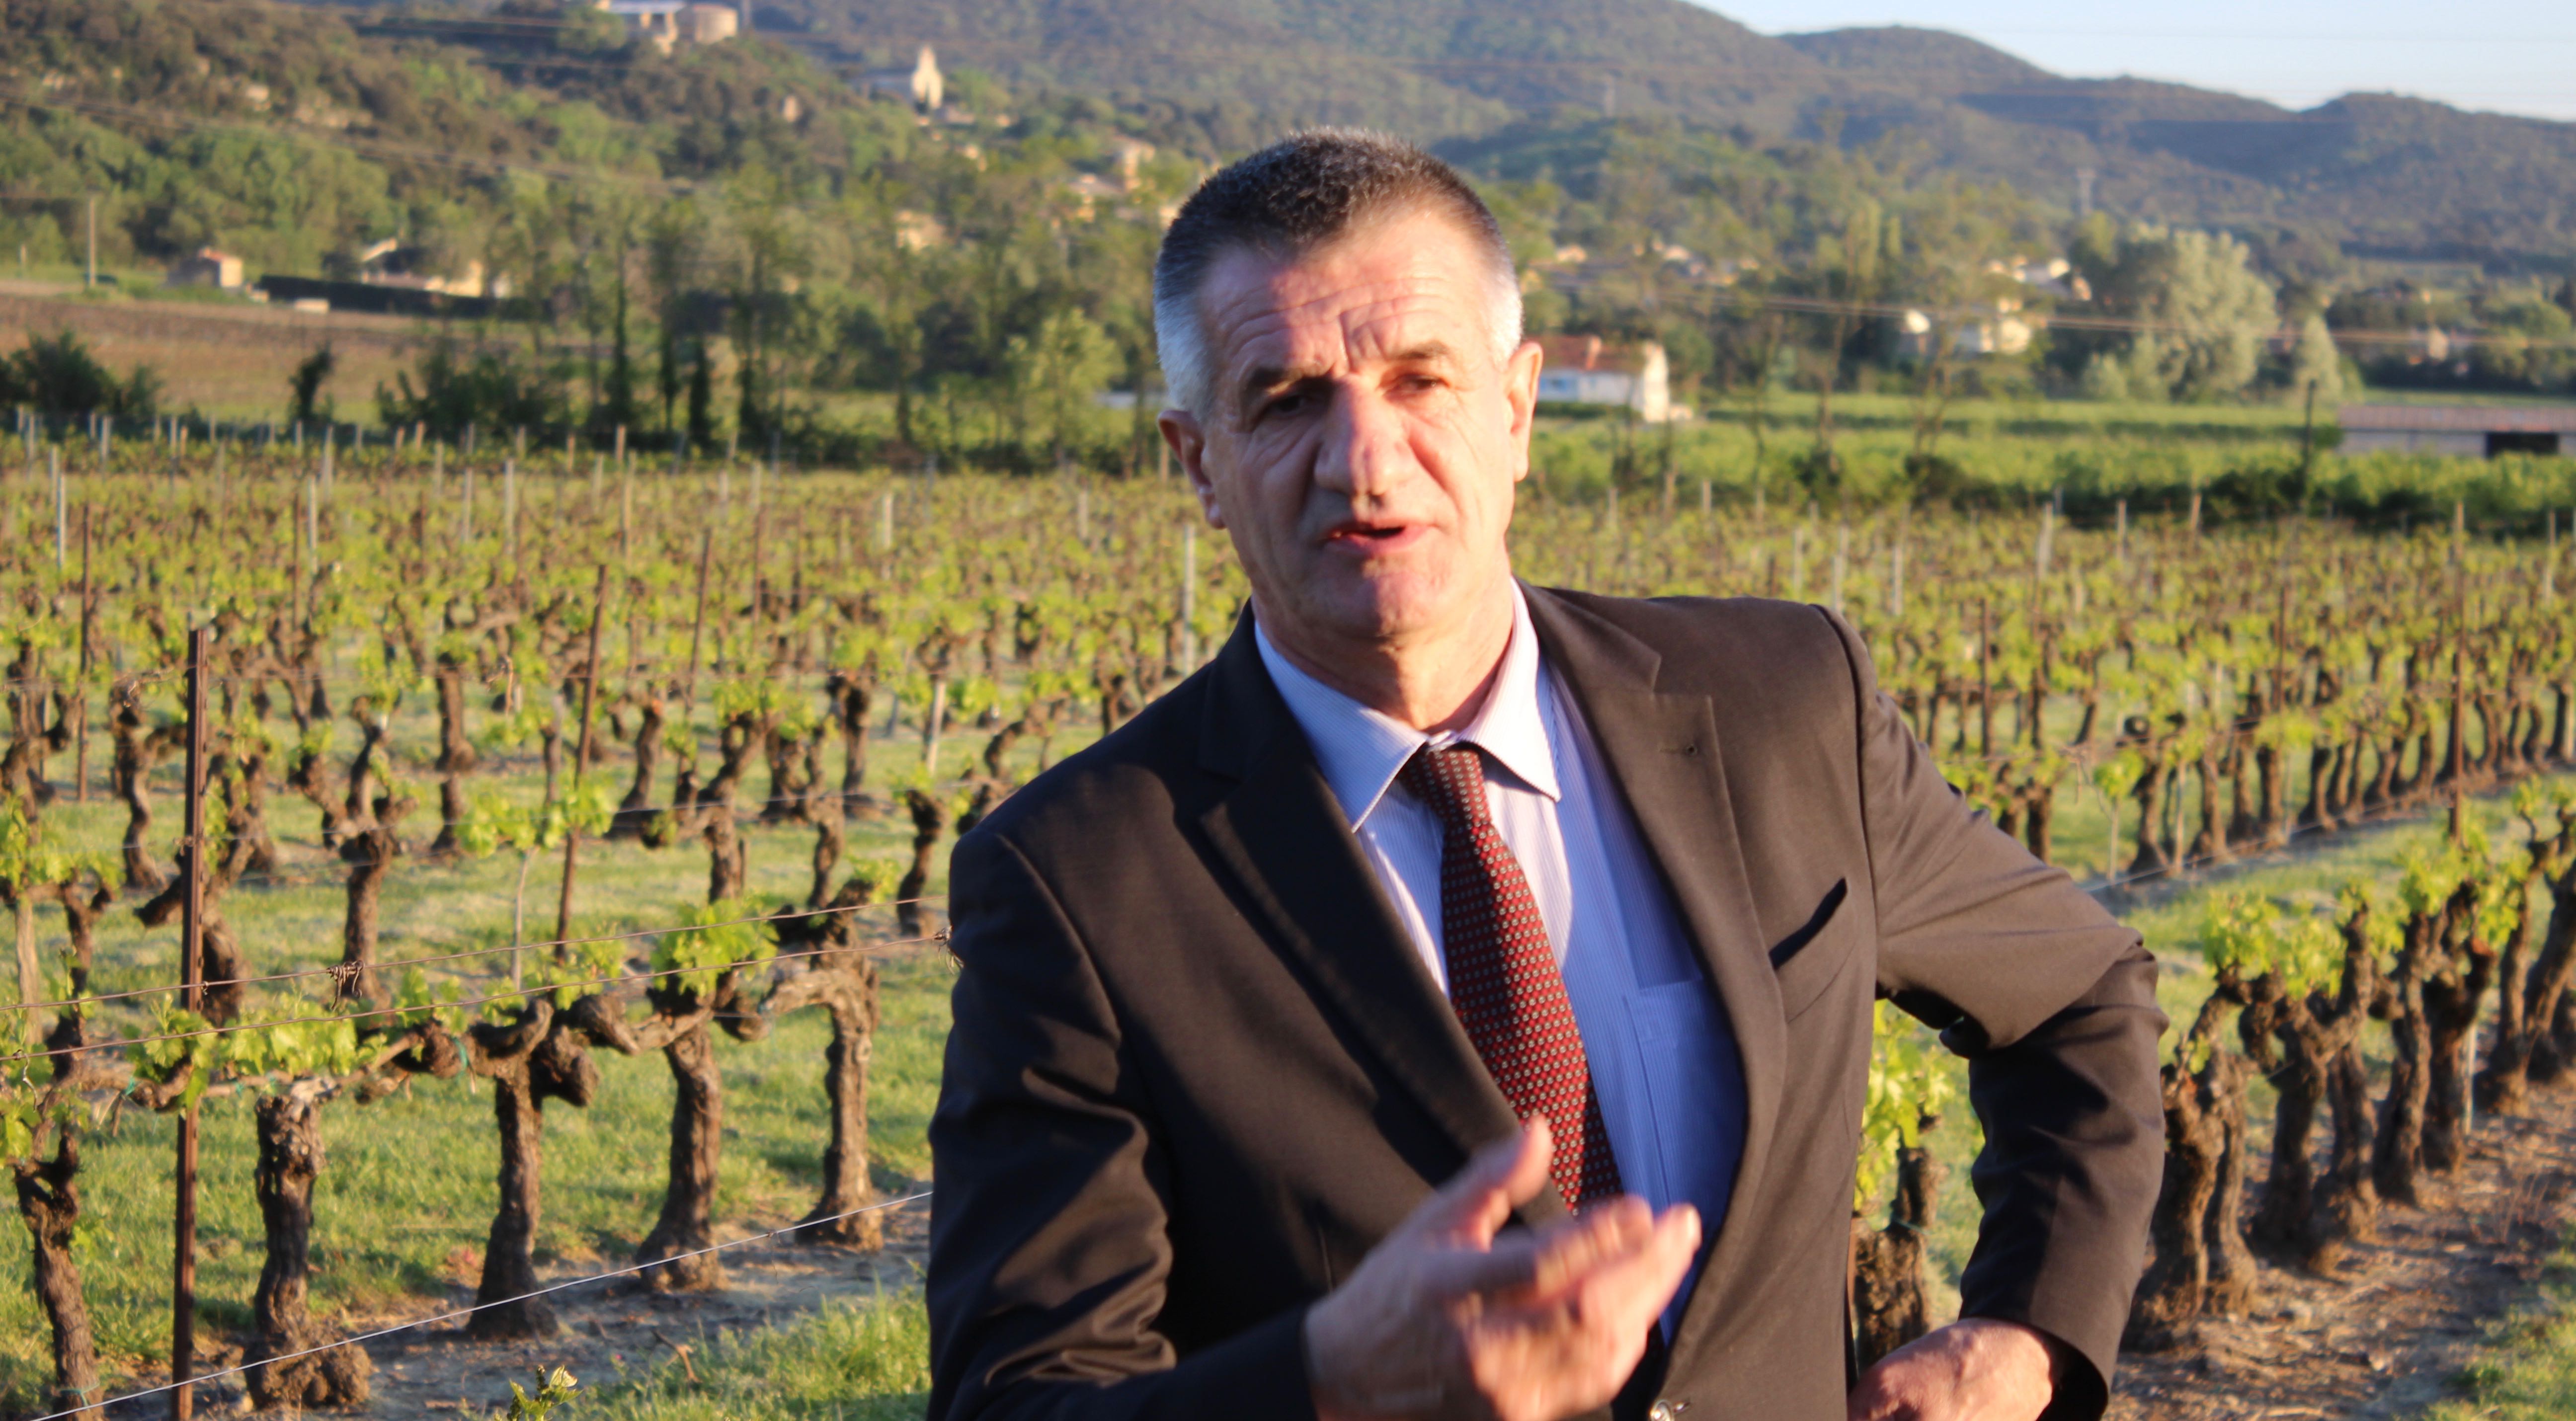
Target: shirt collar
point(1360, 750)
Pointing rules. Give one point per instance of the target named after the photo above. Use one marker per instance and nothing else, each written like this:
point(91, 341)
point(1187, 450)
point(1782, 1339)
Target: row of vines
point(421, 659)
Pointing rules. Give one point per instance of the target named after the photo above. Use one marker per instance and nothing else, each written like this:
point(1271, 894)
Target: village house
point(1586, 370)
point(207, 267)
point(667, 24)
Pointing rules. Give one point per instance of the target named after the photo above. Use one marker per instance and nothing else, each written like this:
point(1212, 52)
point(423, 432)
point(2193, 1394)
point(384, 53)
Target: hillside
point(2391, 176)
point(289, 134)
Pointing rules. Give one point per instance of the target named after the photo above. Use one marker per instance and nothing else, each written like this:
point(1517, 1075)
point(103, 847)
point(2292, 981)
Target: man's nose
point(1364, 452)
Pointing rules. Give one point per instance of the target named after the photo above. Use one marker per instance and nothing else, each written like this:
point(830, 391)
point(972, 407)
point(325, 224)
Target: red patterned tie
point(1503, 980)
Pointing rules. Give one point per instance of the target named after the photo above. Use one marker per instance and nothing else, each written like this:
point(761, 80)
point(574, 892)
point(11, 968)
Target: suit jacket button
point(1663, 1411)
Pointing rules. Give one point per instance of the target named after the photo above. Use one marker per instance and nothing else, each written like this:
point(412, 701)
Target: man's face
point(1361, 442)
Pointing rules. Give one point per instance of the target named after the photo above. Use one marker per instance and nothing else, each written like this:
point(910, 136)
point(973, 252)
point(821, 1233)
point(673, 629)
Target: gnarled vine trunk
point(49, 1203)
point(2173, 1292)
point(290, 1160)
point(1888, 1304)
point(541, 1054)
point(844, 983)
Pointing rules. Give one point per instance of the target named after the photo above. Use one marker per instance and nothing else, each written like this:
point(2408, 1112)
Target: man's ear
point(1520, 391)
point(1189, 445)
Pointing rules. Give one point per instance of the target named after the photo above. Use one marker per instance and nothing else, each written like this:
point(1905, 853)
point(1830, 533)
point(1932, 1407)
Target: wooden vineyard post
point(697, 631)
point(580, 768)
point(1985, 680)
point(183, 1281)
point(80, 727)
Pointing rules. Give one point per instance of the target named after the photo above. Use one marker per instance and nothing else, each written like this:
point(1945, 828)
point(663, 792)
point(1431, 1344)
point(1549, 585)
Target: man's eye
point(1289, 403)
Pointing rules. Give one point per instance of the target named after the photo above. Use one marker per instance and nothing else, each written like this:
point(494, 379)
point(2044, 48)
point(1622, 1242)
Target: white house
point(1585, 370)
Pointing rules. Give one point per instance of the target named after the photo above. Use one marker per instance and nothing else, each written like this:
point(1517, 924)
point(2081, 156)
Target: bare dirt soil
point(608, 1328)
point(2388, 1333)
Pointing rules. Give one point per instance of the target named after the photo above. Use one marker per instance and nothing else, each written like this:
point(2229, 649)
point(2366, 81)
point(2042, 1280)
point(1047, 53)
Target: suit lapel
point(1282, 835)
point(1663, 750)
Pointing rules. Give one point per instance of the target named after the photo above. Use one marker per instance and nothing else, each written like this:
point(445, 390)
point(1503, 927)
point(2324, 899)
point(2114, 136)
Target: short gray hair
point(1295, 196)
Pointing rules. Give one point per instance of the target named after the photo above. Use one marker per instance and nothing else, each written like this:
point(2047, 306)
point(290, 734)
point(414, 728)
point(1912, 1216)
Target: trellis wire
point(615, 1273)
point(342, 968)
point(872, 950)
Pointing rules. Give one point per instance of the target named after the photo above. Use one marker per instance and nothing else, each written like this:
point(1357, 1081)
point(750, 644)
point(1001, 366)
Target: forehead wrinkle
point(1336, 325)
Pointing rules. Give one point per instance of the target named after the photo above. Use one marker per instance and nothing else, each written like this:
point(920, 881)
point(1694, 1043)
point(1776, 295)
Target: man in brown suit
point(1455, 1000)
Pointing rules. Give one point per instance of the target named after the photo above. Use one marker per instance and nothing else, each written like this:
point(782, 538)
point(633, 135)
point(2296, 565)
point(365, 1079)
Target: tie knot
point(1451, 781)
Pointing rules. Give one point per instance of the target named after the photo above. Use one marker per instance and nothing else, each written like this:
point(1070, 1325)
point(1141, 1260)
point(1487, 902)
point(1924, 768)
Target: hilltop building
point(923, 86)
point(667, 24)
point(2469, 431)
point(1585, 370)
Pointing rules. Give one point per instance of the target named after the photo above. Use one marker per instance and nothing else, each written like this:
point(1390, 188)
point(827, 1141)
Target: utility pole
point(91, 279)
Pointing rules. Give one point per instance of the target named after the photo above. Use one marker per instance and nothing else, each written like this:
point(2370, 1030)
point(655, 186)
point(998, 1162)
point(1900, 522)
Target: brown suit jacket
point(1197, 1070)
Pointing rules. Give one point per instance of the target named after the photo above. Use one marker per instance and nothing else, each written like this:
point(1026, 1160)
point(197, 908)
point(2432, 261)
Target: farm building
point(207, 267)
point(1585, 370)
point(2471, 431)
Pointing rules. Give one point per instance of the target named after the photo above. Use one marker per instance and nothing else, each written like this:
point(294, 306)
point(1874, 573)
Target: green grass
point(850, 1360)
point(2527, 1369)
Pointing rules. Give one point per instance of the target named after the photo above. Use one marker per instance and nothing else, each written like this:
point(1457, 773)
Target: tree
point(2525, 346)
point(57, 374)
point(493, 387)
point(2201, 312)
point(2316, 366)
point(305, 403)
point(1056, 369)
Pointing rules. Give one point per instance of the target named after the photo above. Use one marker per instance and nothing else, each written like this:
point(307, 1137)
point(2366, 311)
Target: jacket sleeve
point(1049, 1253)
point(2053, 1003)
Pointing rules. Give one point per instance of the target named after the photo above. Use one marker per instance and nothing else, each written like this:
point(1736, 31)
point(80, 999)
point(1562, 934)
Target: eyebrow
point(1262, 379)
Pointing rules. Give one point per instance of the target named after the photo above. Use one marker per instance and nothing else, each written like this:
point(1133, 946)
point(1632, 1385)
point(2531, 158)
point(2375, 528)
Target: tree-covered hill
point(2392, 175)
point(288, 134)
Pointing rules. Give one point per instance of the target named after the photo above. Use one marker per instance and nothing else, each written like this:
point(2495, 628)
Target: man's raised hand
point(1444, 1319)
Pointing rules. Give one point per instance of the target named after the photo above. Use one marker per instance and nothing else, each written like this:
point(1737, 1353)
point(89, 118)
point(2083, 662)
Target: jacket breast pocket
point(1813, 955)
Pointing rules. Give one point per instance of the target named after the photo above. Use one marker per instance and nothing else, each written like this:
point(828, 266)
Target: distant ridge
point(2390, 175)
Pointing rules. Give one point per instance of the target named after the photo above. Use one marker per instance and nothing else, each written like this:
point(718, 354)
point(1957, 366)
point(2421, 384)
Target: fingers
point(1631, 1288)
point(1498, 1178)
point(1613, 1252)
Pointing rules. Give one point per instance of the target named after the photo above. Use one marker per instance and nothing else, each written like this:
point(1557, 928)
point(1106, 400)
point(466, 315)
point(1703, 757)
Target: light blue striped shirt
point(1663, 1060)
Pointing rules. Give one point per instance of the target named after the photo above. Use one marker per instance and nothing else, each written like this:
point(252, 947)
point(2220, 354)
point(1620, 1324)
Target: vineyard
point(346, 784)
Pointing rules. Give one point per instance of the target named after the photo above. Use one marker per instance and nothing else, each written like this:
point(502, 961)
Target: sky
point(2504, 56)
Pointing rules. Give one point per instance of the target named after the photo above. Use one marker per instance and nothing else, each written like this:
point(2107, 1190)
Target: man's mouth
point(1368, 536)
